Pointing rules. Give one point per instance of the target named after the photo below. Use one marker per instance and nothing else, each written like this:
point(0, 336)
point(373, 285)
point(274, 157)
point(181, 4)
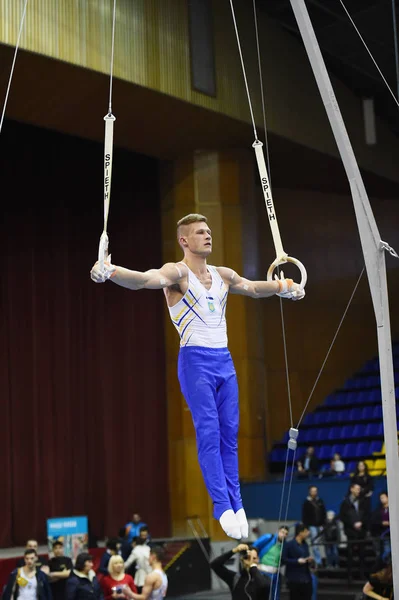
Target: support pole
point(374, 256)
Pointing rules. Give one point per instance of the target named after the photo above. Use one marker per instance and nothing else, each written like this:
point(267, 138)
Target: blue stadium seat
point(354, 397)
point(376, 395)
point(375, 446)
point(321, 417)
point(347, 432)
point(355, 414)
point(374, 430)
point(359, 431)
point(377, 412)
point(337, 448)
point(367, 413)
point(322, 434)
point(309, 419)
point(349, 451)
point(351, 466)
point(334, 433)
point(344, 416)
point(333, 400)
point(324, 453)
point(310, 435)
point(363, 449)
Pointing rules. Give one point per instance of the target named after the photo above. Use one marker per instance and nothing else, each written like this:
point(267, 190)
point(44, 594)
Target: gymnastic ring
point(282, 261)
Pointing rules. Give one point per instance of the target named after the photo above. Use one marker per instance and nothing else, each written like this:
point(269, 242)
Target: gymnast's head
point(194, 235)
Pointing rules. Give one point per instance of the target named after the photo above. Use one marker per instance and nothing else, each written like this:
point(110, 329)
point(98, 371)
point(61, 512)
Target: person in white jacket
point(141, 556)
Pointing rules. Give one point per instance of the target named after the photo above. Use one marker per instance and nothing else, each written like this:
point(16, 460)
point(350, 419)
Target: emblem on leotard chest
point(211, 305)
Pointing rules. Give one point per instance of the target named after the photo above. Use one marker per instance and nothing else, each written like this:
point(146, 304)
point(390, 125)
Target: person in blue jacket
point(83, 584)
point(296, 557)
point(27, 581)
point(269, 547)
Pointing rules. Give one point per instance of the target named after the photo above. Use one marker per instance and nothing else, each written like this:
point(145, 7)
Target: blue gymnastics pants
point(208, 382)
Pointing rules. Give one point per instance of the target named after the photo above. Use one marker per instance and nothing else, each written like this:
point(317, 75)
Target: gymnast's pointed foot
point(230, 525)
point(243, 523)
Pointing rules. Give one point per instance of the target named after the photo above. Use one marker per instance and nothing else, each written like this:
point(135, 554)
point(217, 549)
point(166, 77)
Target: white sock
point(229, 524)
point(243, 523)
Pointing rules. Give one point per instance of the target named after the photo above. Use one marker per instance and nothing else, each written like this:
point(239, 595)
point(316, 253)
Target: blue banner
point(71, 531)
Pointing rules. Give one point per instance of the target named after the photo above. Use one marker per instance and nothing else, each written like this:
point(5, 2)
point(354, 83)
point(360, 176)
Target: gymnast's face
point(196, 238)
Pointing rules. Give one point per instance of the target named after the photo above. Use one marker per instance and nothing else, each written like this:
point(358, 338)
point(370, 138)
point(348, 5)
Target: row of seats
point(339, 434)
point(349, 423)
point(326, 452)
point(367, 413)
point(352, 398)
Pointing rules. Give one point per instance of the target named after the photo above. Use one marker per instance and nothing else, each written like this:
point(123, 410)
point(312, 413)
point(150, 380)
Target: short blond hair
point(112, 562)
point(192, 218)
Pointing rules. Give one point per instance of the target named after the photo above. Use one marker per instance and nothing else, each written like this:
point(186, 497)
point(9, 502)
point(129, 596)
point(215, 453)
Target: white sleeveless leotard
point(161, 591)
point(199, 316)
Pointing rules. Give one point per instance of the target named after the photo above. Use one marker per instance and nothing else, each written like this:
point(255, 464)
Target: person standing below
point(41, 561)
point(380, 526)
point(249, 583)
point(27, 582)
point(83, 584)
point(140, 557)
point(269, 547)
point(196, 295)
point(60, 568)
point(362, 477)
point(132, 529)
point(115, 583)
point(314, 516)
point(156, 582)
point(353, 515)
point(112, 549)
point(331, 538)
point(296, 557)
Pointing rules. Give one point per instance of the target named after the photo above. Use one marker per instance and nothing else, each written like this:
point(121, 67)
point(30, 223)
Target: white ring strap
point(281, 256)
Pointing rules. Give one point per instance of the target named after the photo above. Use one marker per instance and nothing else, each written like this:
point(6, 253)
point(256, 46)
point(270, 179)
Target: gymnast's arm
point(154, 279)
point(245, 287)
point(256, 289)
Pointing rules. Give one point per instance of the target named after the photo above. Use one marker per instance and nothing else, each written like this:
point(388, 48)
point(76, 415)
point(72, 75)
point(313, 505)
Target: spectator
point(380, 583)
point(41, 562)
point(60, 569)
point(269, 547)
point(144, 534)
point(380, 525)
point(250, 583)
point(115, 583)
point(362, 477)
point(308, 465)
point(314, 517)
point(156, 582)
point(331, 535)
point(132, 529)
point(83, 583)
point(27, 582)
point(140, 557)
point(113, 547)
point(338, 464)
point(296, 557)
point(353, 515)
